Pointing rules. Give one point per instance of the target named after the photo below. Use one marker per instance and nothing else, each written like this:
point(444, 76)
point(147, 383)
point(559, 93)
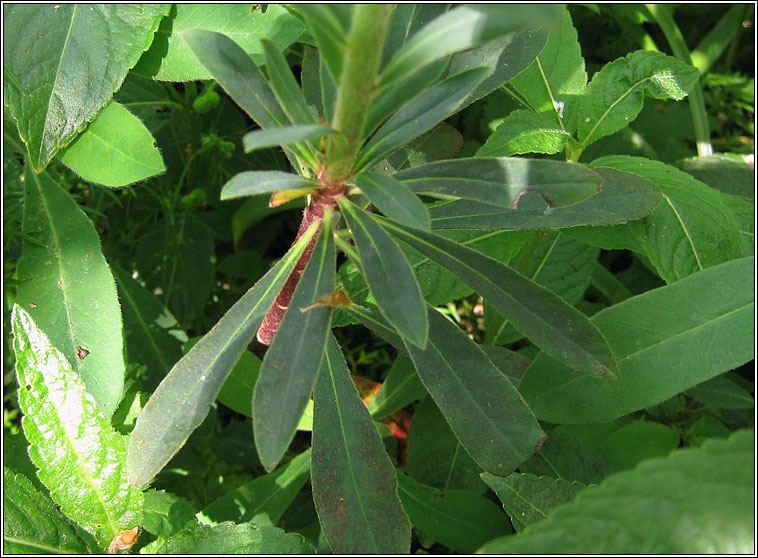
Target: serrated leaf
point(290, 366)
point(624, 197)
point(504, 180)
point(228, 538)
point(251, 183)
point(484, 410)
point(458, 519)
point(32, 524)
point(67, 287)
point(80, 457)
point(115, 150)
point(655, 508)
point(272, 137)
point(400, 388)
point(419, 115)
point(528, 498)
point(263, 500)
point(389, 276)
point(542, 316)
point(393, 199)
point(170, 58)
point(61, 82)
point(459, 29)
point(614, 96)
point(524, 131)
point(166, 513)
point(726, 172)
point(182, 400)
point(354, 484)
point(690, 229)
point(681, 328)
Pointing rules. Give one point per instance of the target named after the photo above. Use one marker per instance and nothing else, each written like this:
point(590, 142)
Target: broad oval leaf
point(682, 328)
point(389, 276)
point(288, 135)
point(546, 319)
point(655, 508)
point(624, 197)
point(460, 29)
point(32, 524)
point(524, 131)
point(66, 285)
point(80, 457)
point(504, 180)
point(290, 366)
point(115, 150)
point(614, 96)
point(170, 58)
point(182, 400)
point(354, 483)
point(66, 61)
point(419, 115)
point(484, 410)
point(251, 183)
point(393, 199)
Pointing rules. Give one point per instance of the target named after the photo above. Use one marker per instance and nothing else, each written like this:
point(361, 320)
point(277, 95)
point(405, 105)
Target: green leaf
point(170, 58)
point(524, 131)
point(555, 82)
point(32, 524)
point(484, 410)
point(60, 83)
point(272, 137)
point(290, 366)
point(458, 519)
point(400, 388)
point(182, 400)
point(263, 500)
point(528, 498)
point(419, 115)
point(656, 508)
point(729, 173)
point(328, 24)
point(153, 337)
point(614, 96)
point(435, 457)
point(389, 276)
point(637, 441)
point(681, 328)
point(228, 538)
point(548, 321)
point(166, 513)
point(393, 199)
point(354, 484)
point(503, 181)
point(68, 288)
point(80, 457)
point(115, 150)
point(285, 87)
point(237, 391)
point(624, 197)
point(441, 142)
point(722, 392)
point(510, 363)
point(251, 183)
point(690, 229)
point(459, 29)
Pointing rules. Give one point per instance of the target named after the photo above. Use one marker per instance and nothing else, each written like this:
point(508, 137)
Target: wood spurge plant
point(508, 281)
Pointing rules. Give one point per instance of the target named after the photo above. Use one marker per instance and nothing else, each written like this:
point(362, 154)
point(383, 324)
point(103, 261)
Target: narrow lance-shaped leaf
point(285, 87)
point(419, 115)
point(614, 96)
point(655, 508)
point(328, 24)
point(67, 287)
point(182, 400)
point(552, 324)
point(484, 410)
point(624, 197)
point(288, 135)
point(393, 199)
point(389, 276)
point(289, 369)
point(354, 483)
point(80, 457)
point(504, 180)
point(681, 328)
point(251, 183)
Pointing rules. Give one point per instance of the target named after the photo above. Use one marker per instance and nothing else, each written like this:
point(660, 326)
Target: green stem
point(528, 251)
point(662, 15)
point(363, 55)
